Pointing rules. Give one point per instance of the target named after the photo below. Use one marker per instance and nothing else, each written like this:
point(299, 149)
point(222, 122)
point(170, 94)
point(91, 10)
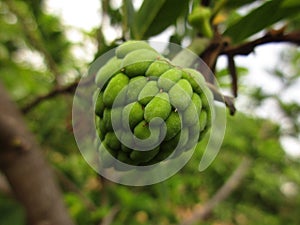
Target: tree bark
point(26, 169)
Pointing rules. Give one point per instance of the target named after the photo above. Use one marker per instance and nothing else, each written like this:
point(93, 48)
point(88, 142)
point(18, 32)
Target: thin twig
point(56, 91)
point(231, 184)
point(233, 73)
point(110, 216)
point(218, 96)
point(4, 186)
point(272, 36)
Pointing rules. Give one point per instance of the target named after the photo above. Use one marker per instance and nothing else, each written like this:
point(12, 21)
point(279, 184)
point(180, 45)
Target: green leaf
point(155, 16)
point(237, 3)
point(128, 12)
point(261, 18)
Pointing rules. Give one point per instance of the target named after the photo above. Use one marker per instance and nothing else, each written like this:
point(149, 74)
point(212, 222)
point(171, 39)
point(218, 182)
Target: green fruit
point(134, 88)
point(167, 148)
point(132, 114)
point(202, 120)
point(206, 97)
point(112, 67)
point(101, 126)
point(191, 114)
point(99, 108)
point(143, 156)
point(125, 149)
point(148, 92)
point(116, 118)
point(173, 124)
point(124, 158)
point(112, 141)
point(107, 125)
point(127, 140)
point(146, 138)
point(183, 139)
point(180, 94)
point(114, 88)
point(131, 46)
point(159, 106)
point(157, 68)
point(98, 128)
point(106, 155)
point(169, 78)
point(146, 108)
point(194, 133)
point(137, 62)
point(195, 78)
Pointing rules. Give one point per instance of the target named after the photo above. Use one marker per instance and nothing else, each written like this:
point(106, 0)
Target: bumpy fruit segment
point(148, 110)
point(180, 94)
point(148, 92)
point(159, 107)
point(137, 62)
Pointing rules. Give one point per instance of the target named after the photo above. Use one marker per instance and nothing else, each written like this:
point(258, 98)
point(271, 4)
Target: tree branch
point(270, 37)
point(29, 175)
point(234, 76)
point(108, 219)
point(231, 184)
point(56, 91)
point(4, 185)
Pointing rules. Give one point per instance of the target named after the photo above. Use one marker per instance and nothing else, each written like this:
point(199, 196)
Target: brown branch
point(27, 171)
point(56, 91)
point(218, 96)
point(200, 214)
point(270, 37)
point(4, 186)
point(233, 73)
point(108, 219)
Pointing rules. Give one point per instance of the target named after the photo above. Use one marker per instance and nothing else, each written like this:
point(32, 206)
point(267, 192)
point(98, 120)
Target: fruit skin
point(147, 137)
point(157, 68)
point(147, 108)
point(143, 156)
point(112, 141)
point(148, 92)
point(99, 108)
point(159, 106)
point(112, 67)
point(131, 46)
point(173, 124)
point(191, 113)
point(113, 88)
point(133, 113)
point(137, 62)
point(195, 78)
point(169, 78)
point(180, 94)
point(134, 88)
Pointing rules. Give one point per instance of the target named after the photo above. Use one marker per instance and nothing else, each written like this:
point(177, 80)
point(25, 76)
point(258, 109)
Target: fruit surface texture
point(147, 109)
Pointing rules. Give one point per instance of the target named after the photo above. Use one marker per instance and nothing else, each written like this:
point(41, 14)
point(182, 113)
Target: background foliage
point(36, 58)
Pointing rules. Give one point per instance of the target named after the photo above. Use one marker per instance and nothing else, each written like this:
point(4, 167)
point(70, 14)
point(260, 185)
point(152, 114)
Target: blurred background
point(47, 45)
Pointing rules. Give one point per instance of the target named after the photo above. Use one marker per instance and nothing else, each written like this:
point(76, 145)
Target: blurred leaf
point(238, 3)
point(129, 12)
point(11, 212)
point(261, 18)
point(154, 17)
